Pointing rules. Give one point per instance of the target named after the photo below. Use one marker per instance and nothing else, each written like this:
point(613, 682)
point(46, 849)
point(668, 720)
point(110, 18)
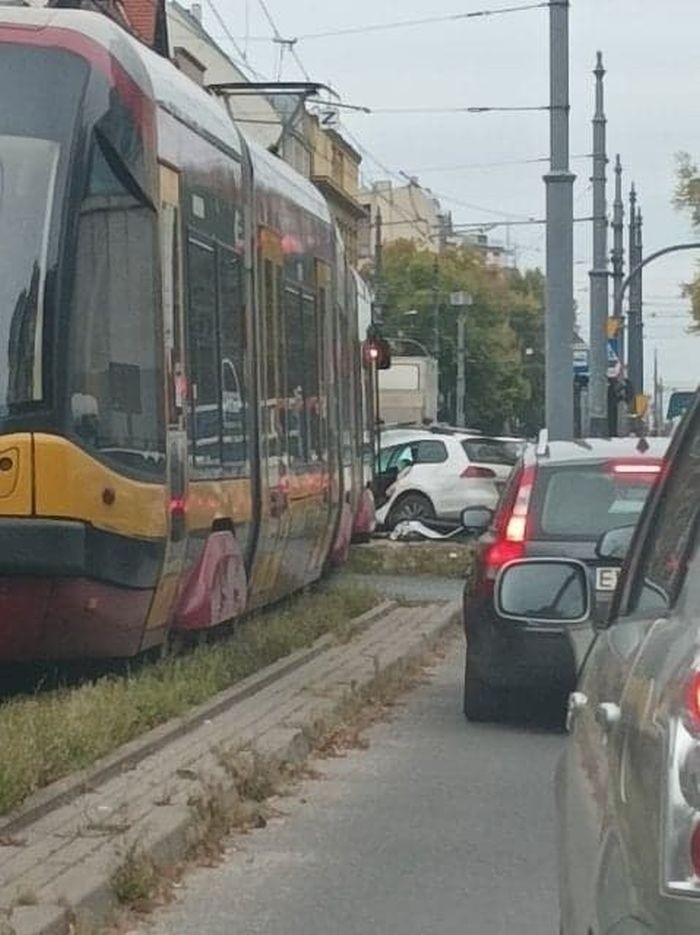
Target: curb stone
point(274, 716)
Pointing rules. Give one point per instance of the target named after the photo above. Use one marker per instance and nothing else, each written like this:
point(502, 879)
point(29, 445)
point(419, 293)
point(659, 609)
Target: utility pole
point(436, 309)
point(618, 264)
point(461, 301)
point(378, 306)
point(559, 181)
point(657, 402)
point(618, 259)
point(461, 382)
point(635, 341)
point(598, 359)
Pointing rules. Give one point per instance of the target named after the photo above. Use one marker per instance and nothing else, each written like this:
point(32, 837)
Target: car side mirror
point(476, 519)
point(545, 591)
point(614, 544)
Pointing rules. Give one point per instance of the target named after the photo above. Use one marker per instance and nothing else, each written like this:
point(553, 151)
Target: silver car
point(628, 784)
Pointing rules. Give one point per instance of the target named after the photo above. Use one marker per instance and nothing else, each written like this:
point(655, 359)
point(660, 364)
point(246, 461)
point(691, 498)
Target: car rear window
point(584, 501)
point(491, 451)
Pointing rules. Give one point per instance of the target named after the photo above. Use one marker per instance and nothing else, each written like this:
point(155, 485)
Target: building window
point(338, 167)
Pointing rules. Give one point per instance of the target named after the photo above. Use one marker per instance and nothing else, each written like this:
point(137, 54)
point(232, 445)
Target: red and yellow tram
point(183, 420)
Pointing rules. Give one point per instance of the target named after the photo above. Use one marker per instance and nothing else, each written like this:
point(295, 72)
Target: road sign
point(614, 365)
point(582, 365)
point(581, 360)
point(460, 299)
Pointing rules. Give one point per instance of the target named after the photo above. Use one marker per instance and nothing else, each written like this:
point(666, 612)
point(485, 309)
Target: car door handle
point(607, 715)
point(577, 702)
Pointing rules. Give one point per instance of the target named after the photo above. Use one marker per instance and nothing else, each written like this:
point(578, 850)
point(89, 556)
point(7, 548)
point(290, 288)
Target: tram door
point(269, 579)
point(175, 405)
point(330, 471)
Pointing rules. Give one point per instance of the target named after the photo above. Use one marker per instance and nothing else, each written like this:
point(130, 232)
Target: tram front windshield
point(36, 127)
point(27, 181)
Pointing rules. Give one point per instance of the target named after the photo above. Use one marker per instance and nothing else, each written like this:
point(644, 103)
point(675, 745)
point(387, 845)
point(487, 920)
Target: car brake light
point(636, 468)
point(502, 552)
point(680, 857)
point(474, 471)
point(691, 704)
point(511, 532)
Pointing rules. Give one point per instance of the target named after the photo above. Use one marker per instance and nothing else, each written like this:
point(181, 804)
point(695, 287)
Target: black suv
point(560, 499)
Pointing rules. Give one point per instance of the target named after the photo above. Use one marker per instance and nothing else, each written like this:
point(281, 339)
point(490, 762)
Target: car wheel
point(410, 506)
point(482, 702)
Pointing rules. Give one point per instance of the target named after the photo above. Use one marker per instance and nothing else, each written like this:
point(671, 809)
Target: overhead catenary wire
point(416, 221)
point(229, 35)
point(508, 218)
point(478, 109)
point(423, 21)
point(284, 43)
point(497, 164)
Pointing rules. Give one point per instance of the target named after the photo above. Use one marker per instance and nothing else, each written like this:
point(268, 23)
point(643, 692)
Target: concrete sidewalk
point(58, 855)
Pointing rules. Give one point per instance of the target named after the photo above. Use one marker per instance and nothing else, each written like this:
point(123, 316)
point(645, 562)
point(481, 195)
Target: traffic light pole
point(377, 320)
point(377, 418)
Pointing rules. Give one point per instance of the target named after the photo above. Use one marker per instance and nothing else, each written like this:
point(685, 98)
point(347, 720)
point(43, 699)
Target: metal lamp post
point(461, 301)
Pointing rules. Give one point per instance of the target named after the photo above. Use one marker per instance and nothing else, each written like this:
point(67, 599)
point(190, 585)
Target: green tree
point(504, 330)
point(687, 198)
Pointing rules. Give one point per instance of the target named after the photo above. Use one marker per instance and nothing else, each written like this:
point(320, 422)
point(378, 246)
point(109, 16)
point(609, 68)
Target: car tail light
point(511, 532)
point(680, 810)
point(474, 471)
point(691, 705)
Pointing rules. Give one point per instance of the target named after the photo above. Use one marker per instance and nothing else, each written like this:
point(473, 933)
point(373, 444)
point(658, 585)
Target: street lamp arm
point(676, 248)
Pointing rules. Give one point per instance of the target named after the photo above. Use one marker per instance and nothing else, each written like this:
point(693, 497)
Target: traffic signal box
point(377, 351)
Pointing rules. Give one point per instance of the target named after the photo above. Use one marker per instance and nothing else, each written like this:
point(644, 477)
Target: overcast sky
point(652, 60)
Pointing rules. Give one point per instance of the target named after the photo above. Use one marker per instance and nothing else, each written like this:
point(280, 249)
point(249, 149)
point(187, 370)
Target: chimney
point(147, 20)
point(196, 11)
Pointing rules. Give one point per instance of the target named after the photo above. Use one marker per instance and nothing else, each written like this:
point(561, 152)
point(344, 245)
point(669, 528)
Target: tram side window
point(323, 376)
point(312, 394)
point(205, 412)
point(346, 390)
point(233, 361)
point(296, 364)
point(273, 391)
point(115, 366)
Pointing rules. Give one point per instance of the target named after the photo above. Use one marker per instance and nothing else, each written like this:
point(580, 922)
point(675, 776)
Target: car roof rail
point(543, 444)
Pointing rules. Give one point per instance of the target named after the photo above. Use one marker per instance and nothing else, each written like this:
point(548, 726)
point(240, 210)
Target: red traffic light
point(377, 351)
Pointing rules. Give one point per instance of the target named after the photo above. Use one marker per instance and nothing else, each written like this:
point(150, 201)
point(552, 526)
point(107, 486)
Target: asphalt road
point(438, 828)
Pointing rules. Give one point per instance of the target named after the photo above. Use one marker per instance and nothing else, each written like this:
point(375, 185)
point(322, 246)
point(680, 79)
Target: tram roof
point(174, 92)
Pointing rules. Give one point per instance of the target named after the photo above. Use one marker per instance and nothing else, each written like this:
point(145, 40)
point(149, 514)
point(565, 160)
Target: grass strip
point(451, 559)
point(49, 735)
